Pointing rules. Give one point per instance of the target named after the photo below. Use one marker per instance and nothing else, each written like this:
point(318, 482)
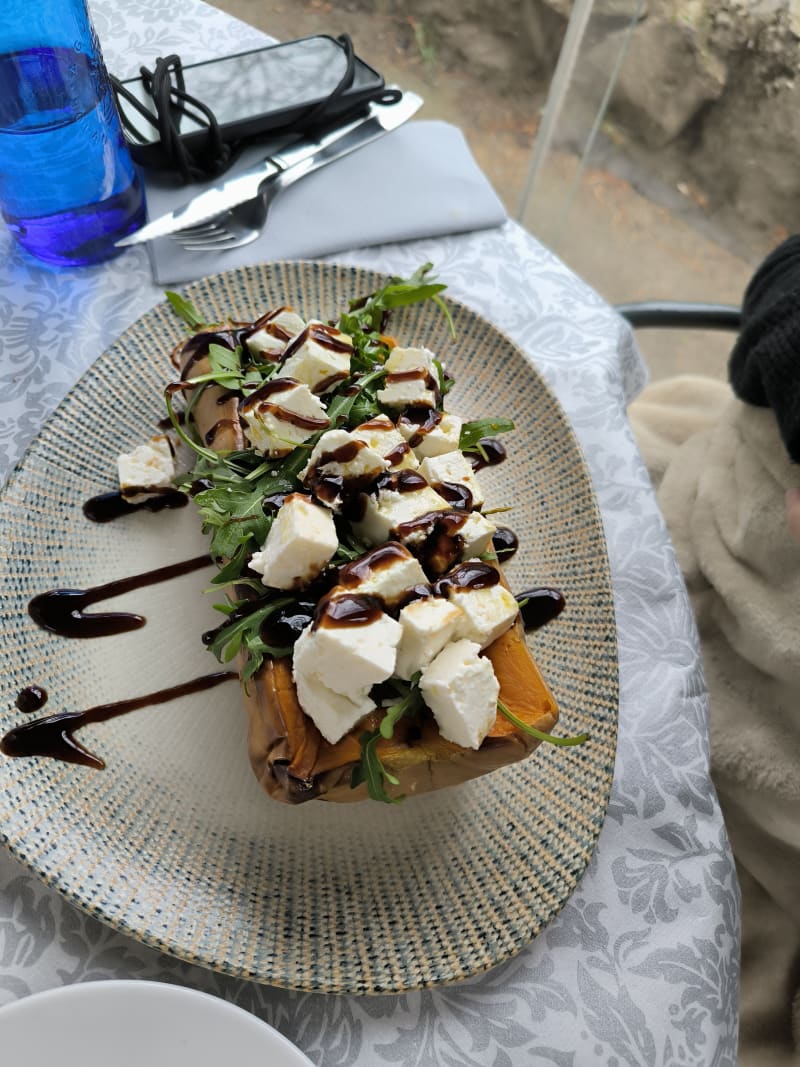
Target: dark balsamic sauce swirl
point(471, 575)
point(540, 606)
point(31, 698)
point(53, 735)
point(423, 421)
point(61, 611)
point(505, 543)
point(377, 559)
point(494, 452)
point(109, 506)
point(348, 609)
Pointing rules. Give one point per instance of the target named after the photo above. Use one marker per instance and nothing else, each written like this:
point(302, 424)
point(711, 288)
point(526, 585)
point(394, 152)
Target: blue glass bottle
point(68, 186)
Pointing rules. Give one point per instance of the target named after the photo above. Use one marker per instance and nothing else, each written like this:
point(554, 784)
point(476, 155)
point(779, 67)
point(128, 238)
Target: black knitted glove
point(764, 367)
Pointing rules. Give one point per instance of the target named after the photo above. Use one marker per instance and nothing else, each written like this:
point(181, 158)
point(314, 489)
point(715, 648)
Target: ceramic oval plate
point(174, 843)
point(131, 1023)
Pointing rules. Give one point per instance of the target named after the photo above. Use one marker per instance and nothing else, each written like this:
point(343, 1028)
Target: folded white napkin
point(418, 181)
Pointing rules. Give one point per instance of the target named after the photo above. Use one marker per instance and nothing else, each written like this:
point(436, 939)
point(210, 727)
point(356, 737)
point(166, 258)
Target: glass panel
point(647, 188)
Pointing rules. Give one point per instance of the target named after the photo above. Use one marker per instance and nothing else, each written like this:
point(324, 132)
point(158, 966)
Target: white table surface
point(641, 966)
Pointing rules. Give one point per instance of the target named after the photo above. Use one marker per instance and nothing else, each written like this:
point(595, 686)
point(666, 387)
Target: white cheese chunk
point(387, 511)
point(443, 437)
point(477, 533)
point(332, 713)
point(387, 572)
point(403, 359)
point(300, 542)
point(382, 435)
point(319, 356)
point(148, 470)
point(428, 624)
point(340, 455)
point(407, 392)
point(461, 690)
point(411, 379)
point(349, 659)
point(280, 415)
point(275, 330)
point(453, 468)
point(486, 613)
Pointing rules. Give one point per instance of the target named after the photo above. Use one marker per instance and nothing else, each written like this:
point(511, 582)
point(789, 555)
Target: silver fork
point(239, 226)
point(243, 223)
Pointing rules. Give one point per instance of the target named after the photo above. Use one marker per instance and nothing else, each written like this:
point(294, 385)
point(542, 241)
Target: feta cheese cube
point(431, 436)
point(402, 359)
point(392, 514)
point(333, 714)
point(452, 468)
point(382, 435)
point(273, 332)
point(486, 612)
point(461, 690)
point(428, 624)
point(343, 462)
point(148, 470)
point(403, 392)
point(319, 356)
point(477, 533)
point(280, 415)
point(411, 379)
point(387, 572)
point(301, 540)
point(350, 659)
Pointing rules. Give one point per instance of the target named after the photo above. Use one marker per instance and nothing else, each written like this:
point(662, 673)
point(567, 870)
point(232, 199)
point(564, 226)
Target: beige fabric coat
point(721, 473)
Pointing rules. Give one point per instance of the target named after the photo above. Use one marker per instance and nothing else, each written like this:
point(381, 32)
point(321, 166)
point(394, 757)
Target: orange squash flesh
point(293, 762)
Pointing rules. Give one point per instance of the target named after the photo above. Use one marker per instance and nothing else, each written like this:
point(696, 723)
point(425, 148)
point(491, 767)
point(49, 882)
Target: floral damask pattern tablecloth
point(641, 966)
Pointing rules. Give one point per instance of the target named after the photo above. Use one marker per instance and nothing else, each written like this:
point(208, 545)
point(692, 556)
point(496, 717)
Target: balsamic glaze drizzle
point(109, 506)
point(61, 611)
point(53, 735)
point(539, 606)
point(31, 698)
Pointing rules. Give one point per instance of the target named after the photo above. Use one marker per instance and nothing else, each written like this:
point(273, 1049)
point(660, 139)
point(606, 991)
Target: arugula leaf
point(342, 409)
point(367, 313)
point(205, 453)
point(473, 432)
point(445, 383)
point(579, 739)
point(372, 771)
point(243, 626)
point(235, 516)
point(232, 570)
point(185, 309)
point(226, 366)
point(410, 703)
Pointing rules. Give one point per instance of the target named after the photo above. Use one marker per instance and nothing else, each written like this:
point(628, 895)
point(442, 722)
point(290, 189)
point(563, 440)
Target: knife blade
point(294, 161)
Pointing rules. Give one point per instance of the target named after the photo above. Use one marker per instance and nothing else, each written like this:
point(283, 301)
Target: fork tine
point(199, 235)
point(226, 246)
point(212, 237)
point(198, 244)
point(202, 229)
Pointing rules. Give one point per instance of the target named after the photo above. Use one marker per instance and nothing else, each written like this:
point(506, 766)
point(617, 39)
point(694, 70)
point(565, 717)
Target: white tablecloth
point(641, 966)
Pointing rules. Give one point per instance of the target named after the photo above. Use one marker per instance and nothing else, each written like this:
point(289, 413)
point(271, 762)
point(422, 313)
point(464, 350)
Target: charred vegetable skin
point(394, 747)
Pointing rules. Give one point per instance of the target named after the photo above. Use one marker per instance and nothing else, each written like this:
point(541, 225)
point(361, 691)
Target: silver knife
point(296, 160)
